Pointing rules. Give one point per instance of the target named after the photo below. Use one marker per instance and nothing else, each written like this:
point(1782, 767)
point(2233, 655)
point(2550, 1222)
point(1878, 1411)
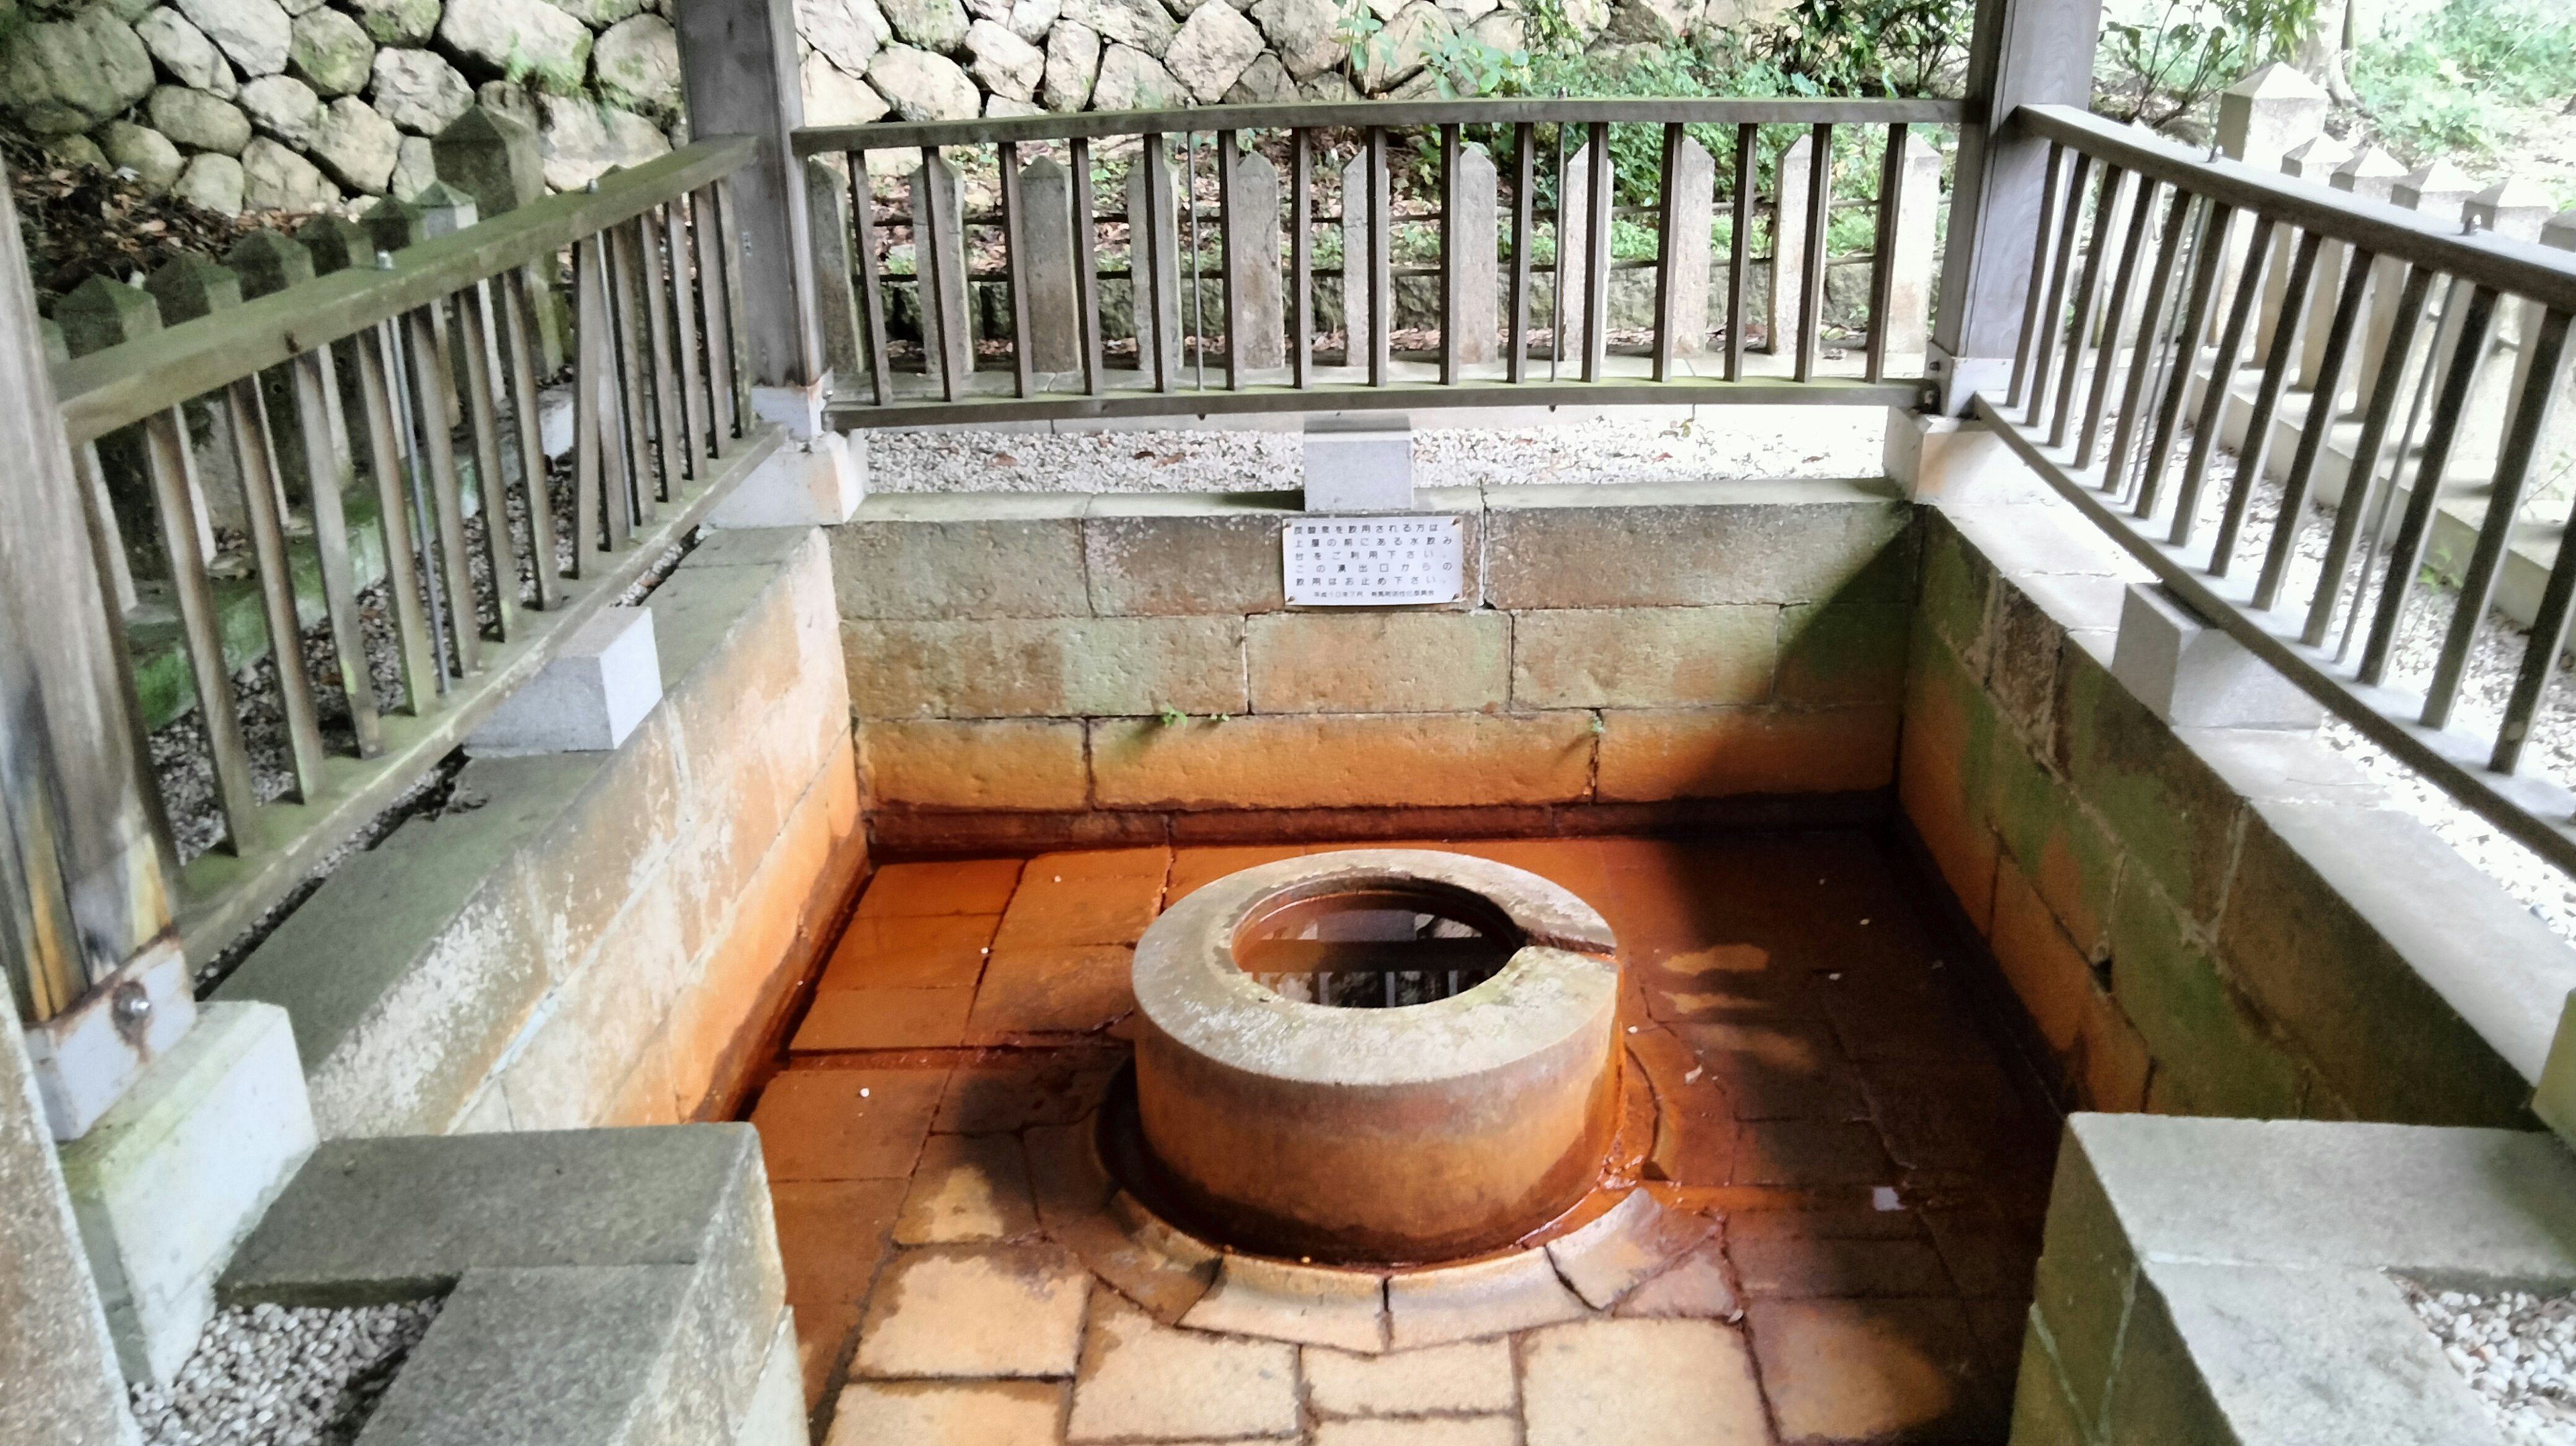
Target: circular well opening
point(1374, 944)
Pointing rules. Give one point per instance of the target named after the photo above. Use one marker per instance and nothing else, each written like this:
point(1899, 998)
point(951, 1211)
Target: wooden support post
point(84, 882)
point(738, 72)
point(2022, 52)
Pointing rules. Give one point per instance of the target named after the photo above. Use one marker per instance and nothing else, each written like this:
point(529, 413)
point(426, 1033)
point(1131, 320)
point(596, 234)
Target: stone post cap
point(2277, 81)
point(444, 210)
point(2371, 174)
point(2315, 158)
point(188, 287)
point(268, 261)
point(394, 224)
point(99, 313)
point(2560, 230)
point(2517, 208)
point(336, 243)
point(2439, 189)
point(492, 156)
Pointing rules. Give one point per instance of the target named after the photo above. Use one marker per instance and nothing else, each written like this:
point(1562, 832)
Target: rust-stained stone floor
point(1825, 1097)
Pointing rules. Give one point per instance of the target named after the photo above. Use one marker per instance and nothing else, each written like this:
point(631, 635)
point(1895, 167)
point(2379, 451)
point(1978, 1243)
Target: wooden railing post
point(2023, 52)
point(738, 71)
point(82, 868)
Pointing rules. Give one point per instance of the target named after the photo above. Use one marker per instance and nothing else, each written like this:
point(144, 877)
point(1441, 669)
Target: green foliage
point(1460, 65)
point(1172, 717)
point(2448, 83)
point(556, 78)
point(1871, 47)
point(2163, 72)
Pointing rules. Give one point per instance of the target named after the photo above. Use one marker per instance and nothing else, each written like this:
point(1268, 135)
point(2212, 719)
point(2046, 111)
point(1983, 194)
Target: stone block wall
point(303, 105)
point(2195, 921)
point(1069, 667)
point(598, 938)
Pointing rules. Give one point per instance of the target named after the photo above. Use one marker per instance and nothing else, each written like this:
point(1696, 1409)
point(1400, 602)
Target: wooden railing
point(2182, 303)
point(1189, 249)
point(413, 549)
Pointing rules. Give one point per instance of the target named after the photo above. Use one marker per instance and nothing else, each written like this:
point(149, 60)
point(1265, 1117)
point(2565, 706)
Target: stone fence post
point(2260, 119)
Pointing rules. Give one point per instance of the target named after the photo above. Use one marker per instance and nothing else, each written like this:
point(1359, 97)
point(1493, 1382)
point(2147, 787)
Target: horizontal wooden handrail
point(892, 135)
point(2524, 268)
point(120, 385)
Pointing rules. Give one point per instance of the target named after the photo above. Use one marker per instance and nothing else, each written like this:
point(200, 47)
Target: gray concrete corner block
point(589, 696)
point(813, 481)
point(1359, 463)
point(172, 1179)
point(2190, 674)
point(1944, 459)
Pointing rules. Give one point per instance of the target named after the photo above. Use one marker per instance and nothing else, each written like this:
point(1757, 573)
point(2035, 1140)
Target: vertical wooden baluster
point(2044, 352)
point(1556, 302)
point(1739, 247)
point(1381, 277)
point(2152, 336)
point(174, 488)
point(2124, 275)
point(713, 265)
point(2088, 287)
point(330, 471)
point(482, 412)
point(2406, 554)
point(1882, 260)
point(1667, 243)
point(2522, 438)
point(1086, 268)
point(2362, 483)
point(2216, 223)
point(1014, 265)
point(1524, 215)
point(591, 458)
point(2290, 515)
point(1198, 259)
point(264, 502)
point(2034, 332)
point(863, 218)
point(431, 384)
point(2222, 367)
point(518, 358)
point(2549, 625)
point(1160, 231)
point(738, 351)
point(693, 415)
point(1301, 256)
point(670, 432)
point(1596, 245)
point(393, 520)
point(1811, 289)
point(1450, 259)
point(1231, 274)
point(623, 315)
point(2250, 458)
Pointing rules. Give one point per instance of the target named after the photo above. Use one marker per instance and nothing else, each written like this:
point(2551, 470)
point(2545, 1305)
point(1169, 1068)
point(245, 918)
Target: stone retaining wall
point(598, 938)
point(1063, 667)
point(2196, 920)
point(302, 105)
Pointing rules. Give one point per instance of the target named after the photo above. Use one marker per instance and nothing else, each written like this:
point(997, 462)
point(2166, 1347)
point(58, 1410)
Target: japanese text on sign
point(1373, 561)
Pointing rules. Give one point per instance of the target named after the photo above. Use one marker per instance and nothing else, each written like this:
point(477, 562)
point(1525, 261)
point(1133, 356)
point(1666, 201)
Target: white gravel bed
point(1767, 442)
point(2516, 1350)
point(269, 1375)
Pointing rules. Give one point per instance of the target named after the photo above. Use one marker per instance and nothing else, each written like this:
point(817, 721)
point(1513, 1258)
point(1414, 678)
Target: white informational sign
point(1374, 561)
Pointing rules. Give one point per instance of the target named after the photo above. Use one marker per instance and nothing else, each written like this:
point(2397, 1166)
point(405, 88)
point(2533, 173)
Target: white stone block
point(798, 409)
point(589, 696)
point(1360, 463)
point(1945, 459)
point(88, 1056)
point(816, 482)
point(173, 1177)
point(776, 1415)
point(555, 414)
point(2193, 675)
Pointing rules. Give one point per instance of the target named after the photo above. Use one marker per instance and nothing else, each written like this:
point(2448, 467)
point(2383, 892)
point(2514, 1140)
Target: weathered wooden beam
point(738, 71)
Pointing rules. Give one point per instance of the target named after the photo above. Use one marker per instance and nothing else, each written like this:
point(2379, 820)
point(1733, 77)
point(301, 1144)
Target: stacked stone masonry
point(2196, 921)
point(588, 939)
point(301, 105)
point(1131, 661)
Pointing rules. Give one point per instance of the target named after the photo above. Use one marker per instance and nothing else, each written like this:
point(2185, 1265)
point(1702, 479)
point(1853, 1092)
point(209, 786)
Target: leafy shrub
point(2447, 83)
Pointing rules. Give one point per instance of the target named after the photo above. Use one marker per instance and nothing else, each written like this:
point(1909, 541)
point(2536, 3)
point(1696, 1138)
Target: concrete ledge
point(2201, 920)
point(607, 1286)
point(2219, 1280)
